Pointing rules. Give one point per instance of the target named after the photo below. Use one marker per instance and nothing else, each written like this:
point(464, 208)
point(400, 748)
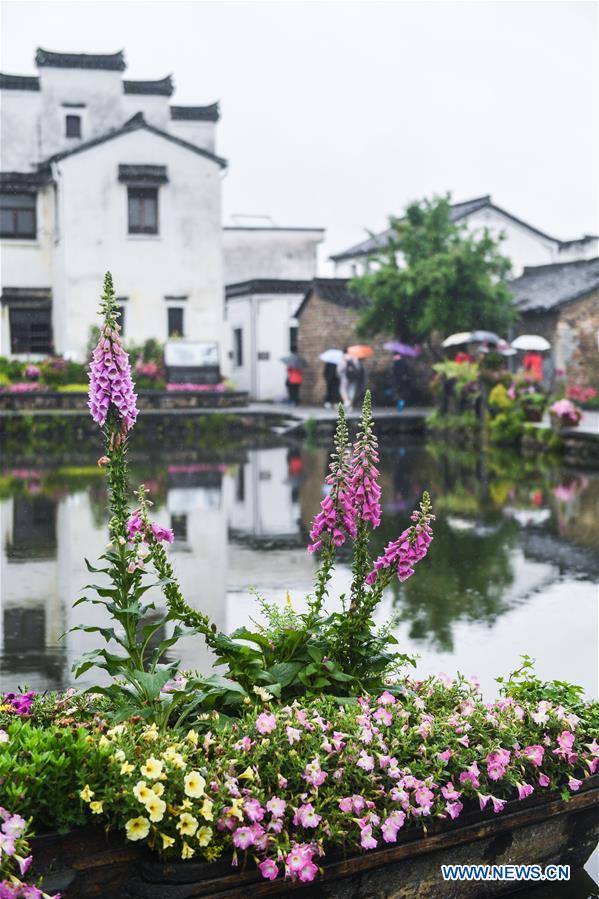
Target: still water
point(512, 568)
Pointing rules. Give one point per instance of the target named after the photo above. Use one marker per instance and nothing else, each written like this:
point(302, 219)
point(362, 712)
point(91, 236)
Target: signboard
point(190, 354)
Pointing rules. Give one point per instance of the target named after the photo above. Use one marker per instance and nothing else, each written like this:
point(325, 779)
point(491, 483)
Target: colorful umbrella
point(404, 349)
point(360, 351)
point(332, 355)
point(531, 342)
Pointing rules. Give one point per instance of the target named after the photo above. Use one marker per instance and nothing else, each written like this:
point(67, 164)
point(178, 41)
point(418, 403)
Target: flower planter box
point(541, 831)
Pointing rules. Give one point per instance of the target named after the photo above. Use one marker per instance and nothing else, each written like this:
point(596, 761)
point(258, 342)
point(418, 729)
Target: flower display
point(565, 413)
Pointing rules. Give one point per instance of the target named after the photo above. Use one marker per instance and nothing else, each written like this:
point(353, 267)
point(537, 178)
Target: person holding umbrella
point(295, 377)
point(352, 376)
point(331, 359)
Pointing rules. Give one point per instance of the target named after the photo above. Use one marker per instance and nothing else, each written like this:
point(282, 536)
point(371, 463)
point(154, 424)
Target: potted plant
point(564, 414)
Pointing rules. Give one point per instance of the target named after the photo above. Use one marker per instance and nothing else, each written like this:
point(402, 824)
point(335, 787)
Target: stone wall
point(147, 400)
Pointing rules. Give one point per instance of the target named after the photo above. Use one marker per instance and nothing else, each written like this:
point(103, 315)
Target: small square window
point(30, 330)
point(73, 126)
point(175, 321)
point(143, 210)
point(17, 215)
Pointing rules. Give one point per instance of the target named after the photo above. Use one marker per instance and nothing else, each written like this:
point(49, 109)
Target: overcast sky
point(338, 113)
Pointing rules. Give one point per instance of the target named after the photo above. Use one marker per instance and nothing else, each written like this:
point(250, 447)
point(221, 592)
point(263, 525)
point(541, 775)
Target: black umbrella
point(294, 361)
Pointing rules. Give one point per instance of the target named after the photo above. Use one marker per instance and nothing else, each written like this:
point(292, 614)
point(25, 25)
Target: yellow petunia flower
point(248, 774)
point(167, 841)
point(127, 768)
point(116, 730)
point(142, 791)
point(155, 808)
point(104, 741)
point(192, 737)
point(150, 734)
point(158, 789)
point(97, 807)
point(237, 808)
point(187, 851)
point(206, 810)
point(152, 768)
point(119, 755)
point(187, 825)
point(86, 794)
point(204, 835)
point(194, 784)
point(137, 828)
point(186, 805)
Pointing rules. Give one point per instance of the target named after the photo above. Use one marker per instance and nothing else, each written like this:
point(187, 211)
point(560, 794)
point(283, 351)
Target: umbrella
point(531, 342)
point(294, 361)
point(332, 355)
point(360, 351)
point(457, 339)
point(486, 337)
point(504, 349)
point(394, 346)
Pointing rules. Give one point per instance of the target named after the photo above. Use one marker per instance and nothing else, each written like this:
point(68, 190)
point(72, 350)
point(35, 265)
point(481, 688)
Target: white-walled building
point(524, 244)
point(267, 272)
point(100, 173)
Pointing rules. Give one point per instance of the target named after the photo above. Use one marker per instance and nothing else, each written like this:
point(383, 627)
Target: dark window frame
point(28, 336)
point(16, 206)
point(238, 347)
point(179, 526)
point(172, 313)
point(142, 199)
point(293, 338)
point(72, 125)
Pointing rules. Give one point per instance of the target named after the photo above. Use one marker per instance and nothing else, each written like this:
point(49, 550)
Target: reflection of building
point(561, 302)
point(101, 172)
point(523, 244)
point(265, 506)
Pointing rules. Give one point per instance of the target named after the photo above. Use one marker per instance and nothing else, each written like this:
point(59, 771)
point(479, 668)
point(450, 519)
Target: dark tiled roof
point(378, 241)
point(269, 228)
point(112, 61)
point(265, 285)
point(332, 290)
point(138, 121)
point(195, 113)
point(24, 182)
point(19, 82)
point(148, 174)
point(545, 287)
point(163, 87)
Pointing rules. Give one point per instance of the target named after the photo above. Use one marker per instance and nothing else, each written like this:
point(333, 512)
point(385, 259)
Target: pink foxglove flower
point(365, 490)
point(336, 521)
point(409, 548)
point(110, 382)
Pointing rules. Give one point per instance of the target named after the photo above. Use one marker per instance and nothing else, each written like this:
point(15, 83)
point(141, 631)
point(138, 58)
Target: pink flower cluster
point(364, 487)
point(405, 552)
point(580, 394)
point(136, 525)
point(197, 388)
point(20, 702)
point(566, 413)
point(110, 383)
point(25, 387)
point(32, 372)
point(13, 846)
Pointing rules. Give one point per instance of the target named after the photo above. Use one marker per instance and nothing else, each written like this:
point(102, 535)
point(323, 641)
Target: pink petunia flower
point(269, 869)
point(265, 723)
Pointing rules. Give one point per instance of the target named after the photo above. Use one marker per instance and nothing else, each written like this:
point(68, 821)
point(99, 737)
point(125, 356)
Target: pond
point(512, 568)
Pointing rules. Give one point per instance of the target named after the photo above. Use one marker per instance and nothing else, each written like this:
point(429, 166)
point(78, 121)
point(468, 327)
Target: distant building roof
point(457, 212)
point(332, 290)
point(270, 228)
point(134, 123)
point(163, 87)
point(19, 82)
point(113, 61)
point(265, 285)
point(209, 113)
point(542, 288)
point(24, 182)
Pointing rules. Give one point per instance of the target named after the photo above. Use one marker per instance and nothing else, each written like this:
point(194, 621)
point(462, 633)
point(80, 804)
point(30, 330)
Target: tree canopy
point(435, 276)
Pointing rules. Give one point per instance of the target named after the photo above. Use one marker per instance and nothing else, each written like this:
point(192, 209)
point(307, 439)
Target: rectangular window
point(17, 215)
point(121, 319)
point(175, 321)
point(30, 330)
point(293, 339)
point(238, 346)
point(73, 126)
point(143, 210)
point(179, 527)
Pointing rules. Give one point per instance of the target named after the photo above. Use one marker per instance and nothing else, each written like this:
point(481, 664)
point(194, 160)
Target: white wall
point(183, 259)
point(202, 134)
point(20, 139)
point(154, 107)
point(270, 253)
point(265, 320)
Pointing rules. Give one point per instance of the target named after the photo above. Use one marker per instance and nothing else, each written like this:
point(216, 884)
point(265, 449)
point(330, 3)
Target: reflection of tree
point(464, 578)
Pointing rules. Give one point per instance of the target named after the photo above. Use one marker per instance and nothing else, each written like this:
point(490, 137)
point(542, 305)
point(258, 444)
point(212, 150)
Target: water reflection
point(510, 569)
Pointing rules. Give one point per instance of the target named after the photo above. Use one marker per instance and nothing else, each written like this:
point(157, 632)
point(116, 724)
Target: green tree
point(447, 279)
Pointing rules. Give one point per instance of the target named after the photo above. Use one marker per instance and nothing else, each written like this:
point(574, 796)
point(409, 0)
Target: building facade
point(101, 173)
point(523, 244)
point(267, 272)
